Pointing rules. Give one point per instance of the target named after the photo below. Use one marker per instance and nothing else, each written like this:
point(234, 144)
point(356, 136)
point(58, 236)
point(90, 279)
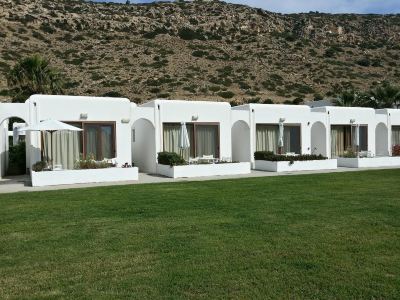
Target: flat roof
point(184, 102)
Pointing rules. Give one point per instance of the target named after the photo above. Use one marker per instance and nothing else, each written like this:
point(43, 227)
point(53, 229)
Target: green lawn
point(329, 236)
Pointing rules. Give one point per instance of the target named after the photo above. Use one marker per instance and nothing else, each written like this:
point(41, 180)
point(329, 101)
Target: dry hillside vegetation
point(200, 50)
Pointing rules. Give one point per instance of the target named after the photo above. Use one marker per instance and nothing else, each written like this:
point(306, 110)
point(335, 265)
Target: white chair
point(207, 158)
point(193, 161)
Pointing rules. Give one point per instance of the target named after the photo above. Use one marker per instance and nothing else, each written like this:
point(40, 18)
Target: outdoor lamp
point(125, 120)
point(195, 118)
point(281, 120)
point(84, 116)
point(352, 121)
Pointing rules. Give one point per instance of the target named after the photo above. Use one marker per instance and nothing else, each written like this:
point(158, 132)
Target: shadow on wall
point(144, 154)
point(382, 140)
point(318, 139)
point(241, 145)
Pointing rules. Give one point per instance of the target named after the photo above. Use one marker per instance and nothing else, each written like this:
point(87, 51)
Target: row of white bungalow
point(117, 129)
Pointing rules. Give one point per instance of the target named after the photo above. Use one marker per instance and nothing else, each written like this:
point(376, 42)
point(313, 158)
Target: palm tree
point(387, 96)
point(356, 99)
point(33, 75)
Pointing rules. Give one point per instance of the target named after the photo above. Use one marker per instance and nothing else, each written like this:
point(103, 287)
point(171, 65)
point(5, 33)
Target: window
point(395, 135)
point(267, 138)
point(204, 139)
point(97, 139)
point(343, 139)
point(363, 140)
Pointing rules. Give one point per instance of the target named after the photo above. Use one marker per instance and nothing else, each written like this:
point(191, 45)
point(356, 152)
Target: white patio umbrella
point(280, 140)
point(184, 142)
point(51, 126)
point(357, 137)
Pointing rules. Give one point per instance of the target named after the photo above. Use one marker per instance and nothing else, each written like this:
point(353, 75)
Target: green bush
point(190, 34)
point(199, 53)
point(170, 159)
point(271, 156)
point(39, 166)
point(226, 94)
point(364, 62)
point(17, 159)
point(349, 153)
point(90, 163)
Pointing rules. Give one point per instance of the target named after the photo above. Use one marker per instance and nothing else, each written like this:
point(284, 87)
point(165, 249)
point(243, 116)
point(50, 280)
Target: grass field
point(314, 237)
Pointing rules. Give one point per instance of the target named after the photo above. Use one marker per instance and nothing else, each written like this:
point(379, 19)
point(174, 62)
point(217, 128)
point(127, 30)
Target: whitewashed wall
point(253, 114)
point(343, 115)
point(158, 112)
point(70, 108)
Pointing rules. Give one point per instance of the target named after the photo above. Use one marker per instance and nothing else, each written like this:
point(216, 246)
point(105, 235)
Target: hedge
point(171, 159)
point(270, 156)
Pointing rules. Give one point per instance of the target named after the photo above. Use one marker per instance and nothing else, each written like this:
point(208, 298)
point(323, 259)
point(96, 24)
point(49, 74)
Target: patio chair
point(193, 161)
point(57, 168)
point(208, 158)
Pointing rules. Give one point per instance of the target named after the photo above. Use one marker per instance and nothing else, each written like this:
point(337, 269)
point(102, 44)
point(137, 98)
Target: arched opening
point(318, 139)
point(13, 154)
point(381, 140)
point(144, 154)
point(241, 148)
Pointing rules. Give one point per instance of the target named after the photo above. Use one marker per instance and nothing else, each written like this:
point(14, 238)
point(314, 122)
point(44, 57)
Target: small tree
point(387, 96)
point(354, 98)
point(33, 75)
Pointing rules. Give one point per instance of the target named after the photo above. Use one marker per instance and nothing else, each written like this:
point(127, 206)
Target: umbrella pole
point(51, 148)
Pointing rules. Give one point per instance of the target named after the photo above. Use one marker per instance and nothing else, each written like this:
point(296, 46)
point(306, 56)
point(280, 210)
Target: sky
point(328, 6)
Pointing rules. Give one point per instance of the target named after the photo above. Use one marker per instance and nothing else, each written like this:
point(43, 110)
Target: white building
point(342, 123)
point(156, 128)
point(255, 127)
point(387, 131)
point(118, 130)
point(105, 123)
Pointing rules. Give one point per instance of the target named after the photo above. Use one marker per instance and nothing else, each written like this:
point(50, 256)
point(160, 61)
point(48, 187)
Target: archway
point(241, 148)
point(381, 140)
point(318, 139)
point(144, 154)
point(13, 153)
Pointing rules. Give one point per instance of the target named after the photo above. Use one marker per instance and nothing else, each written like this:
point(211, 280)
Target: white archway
point(241, 145)
point(6, 141)
point(382, 140)
point(144, 154)
point(319, 139)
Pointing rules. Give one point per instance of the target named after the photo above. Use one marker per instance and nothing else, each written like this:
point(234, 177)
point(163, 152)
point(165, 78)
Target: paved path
point(23, 184)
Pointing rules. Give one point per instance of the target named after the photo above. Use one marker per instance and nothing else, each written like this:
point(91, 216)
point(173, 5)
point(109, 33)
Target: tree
point(353, 98)
point(33, 75)
point(387, 96)
point(346, 98)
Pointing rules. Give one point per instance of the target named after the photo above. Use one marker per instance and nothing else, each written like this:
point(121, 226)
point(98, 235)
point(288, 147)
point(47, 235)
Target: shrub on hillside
point(189, 34)
point(226, 94)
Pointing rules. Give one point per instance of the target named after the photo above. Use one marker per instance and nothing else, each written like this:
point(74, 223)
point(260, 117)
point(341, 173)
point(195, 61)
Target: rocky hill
point(200, 50)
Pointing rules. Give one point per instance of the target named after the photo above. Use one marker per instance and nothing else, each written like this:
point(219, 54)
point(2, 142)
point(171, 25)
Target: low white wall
point(46, 178)
point(369, 162)
point(285, 166)
point(191, 171)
